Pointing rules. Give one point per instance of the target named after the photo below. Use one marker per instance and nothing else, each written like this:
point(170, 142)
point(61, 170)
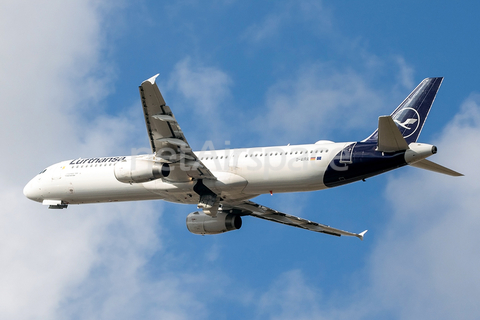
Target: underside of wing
point(166, 137)
point(256, 210)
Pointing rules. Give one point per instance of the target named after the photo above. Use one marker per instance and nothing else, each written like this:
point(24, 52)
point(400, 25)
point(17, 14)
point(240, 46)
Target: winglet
point(361, 234)
point(152, 79)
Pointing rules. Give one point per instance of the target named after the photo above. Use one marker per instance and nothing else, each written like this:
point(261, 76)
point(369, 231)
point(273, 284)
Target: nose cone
point(32, 192)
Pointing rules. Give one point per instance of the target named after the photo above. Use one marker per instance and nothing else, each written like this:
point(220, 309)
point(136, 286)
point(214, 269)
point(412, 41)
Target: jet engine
point(200, 223)
point(135, 170)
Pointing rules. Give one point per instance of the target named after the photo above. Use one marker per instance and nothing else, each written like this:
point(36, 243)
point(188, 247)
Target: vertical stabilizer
point(411, 114)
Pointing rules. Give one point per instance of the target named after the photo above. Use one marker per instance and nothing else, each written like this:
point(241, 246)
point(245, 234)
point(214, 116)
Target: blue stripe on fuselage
point(366, 163)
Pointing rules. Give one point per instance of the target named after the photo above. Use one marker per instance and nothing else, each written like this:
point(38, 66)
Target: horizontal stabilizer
point(389, 137)
point(432, 166)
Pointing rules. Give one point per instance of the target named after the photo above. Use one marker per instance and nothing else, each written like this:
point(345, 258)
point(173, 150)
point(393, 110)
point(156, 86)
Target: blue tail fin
point(411, 114)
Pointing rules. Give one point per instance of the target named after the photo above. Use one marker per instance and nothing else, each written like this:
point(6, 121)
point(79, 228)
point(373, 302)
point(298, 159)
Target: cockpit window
point(43, 171)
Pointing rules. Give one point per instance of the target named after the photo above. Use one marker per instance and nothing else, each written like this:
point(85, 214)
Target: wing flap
point(262, 212)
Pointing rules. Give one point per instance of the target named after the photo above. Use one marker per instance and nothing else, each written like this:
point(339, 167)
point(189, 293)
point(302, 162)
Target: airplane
point(222, 182)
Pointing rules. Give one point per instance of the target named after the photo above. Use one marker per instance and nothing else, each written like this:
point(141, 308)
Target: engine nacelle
point(137, 170)
point(418, 151)
point(200, 223)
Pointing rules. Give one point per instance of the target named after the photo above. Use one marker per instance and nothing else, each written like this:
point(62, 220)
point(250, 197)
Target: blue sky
point(253, 74)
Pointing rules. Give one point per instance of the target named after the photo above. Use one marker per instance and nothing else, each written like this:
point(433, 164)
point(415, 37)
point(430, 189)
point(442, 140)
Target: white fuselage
point(241, 174)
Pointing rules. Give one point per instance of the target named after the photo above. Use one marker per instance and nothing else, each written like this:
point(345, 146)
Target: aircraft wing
point(165, 135)
point(256, 210)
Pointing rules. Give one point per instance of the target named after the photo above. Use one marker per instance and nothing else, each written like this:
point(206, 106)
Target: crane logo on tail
point(408, 121)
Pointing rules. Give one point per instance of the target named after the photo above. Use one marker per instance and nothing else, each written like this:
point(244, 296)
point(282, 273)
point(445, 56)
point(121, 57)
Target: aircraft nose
point(31, 191)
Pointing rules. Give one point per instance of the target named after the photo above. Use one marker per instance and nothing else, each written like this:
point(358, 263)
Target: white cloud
point(316, 101)
point(205, 94)
point(427, 266)
point(405, 75)
point(285, 14)
point(268, 28)
point(86, 261)
point(47, 256)
point(205, 86)
point(322, 99)
point(290, 297)
point(46, 74)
